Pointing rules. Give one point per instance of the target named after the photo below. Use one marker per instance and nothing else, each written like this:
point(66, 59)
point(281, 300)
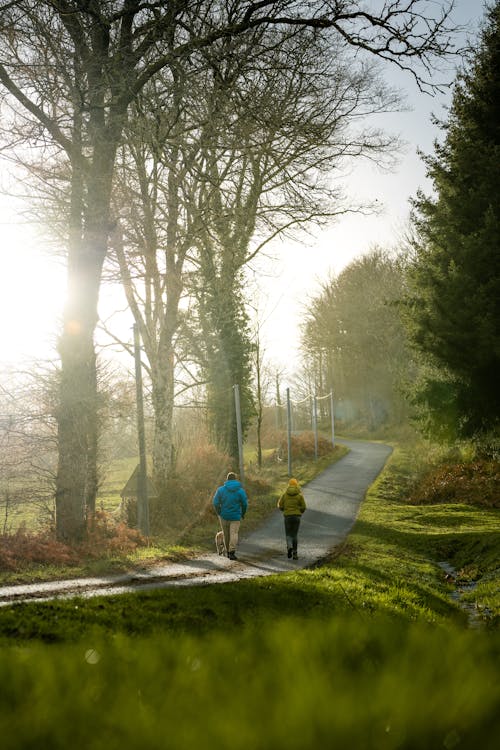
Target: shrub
point(21, 548)
point(474, 482)
point(106, 536)
point(200, 472)
point(257, 486)
point(302, 446)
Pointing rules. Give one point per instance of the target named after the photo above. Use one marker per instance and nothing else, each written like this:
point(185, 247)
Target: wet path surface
point(333, 499)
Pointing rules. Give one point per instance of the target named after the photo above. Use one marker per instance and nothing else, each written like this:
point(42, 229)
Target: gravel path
point(333, 499)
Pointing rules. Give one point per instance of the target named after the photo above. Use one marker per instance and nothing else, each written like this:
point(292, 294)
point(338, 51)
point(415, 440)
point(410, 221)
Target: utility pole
point(332, 415)
point(279, 421)
point(289, 431)
point(315, 425)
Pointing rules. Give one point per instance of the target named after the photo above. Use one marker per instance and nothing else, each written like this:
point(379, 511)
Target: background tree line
point(356, 343)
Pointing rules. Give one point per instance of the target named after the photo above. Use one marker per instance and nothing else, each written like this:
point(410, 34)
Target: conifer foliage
point(455, 280)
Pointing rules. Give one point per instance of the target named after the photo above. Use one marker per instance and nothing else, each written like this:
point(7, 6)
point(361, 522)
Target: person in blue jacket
point(230, 502)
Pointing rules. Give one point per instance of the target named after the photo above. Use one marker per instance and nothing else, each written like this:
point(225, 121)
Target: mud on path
point(333, 499)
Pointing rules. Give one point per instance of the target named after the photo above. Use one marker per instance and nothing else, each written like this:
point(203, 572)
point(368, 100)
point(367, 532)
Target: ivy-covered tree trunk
point(228, 361)
point(230, 366)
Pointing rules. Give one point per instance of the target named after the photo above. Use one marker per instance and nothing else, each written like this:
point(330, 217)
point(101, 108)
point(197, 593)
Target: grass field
point(297, 683)
point(371, 650)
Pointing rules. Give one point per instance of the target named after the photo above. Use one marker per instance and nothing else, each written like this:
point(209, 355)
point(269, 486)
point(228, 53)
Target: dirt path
point(333, 499)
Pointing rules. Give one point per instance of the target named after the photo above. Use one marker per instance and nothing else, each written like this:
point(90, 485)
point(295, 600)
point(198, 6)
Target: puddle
point(475, 616)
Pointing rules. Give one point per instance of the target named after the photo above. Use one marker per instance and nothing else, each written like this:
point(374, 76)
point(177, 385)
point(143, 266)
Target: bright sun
point(32, 290)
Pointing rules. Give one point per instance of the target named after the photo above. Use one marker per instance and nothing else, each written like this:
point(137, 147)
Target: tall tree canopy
point(283, 113)
point(454, 309)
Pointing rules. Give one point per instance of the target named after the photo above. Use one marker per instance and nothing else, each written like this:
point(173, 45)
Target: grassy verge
point(387, 567)
point(295, 684)
point(367, 650)
point(396, 546)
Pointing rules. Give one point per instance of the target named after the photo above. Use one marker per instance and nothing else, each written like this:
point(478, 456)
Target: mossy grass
point(293, 683)
point(397, 541)
point(366, 650)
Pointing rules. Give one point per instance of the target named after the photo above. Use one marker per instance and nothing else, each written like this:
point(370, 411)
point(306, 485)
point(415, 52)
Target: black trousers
point(292, 524)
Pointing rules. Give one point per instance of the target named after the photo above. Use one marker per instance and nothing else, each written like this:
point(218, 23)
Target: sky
point(32, 284)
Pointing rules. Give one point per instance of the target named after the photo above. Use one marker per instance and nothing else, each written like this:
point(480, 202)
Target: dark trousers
point(292, 524)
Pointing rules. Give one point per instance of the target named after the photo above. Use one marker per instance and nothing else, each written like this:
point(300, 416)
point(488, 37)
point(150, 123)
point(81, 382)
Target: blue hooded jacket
point(230, 501)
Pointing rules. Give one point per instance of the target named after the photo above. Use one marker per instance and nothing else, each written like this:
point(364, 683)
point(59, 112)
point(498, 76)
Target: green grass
point(294, 683)
point(388, 566)
point(367, 650)
point(395, 541)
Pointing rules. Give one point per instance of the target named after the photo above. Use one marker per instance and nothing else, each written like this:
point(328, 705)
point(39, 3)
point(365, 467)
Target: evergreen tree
point(455, 279)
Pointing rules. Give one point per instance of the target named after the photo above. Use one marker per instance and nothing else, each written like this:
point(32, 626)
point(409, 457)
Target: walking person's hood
point(292, 501)
point(233, 485)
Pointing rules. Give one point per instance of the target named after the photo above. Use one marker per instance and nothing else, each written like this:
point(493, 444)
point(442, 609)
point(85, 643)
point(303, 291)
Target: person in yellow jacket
point(293, 505)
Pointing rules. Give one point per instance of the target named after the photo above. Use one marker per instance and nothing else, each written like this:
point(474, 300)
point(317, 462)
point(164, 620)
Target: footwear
point(295, 556)
point(232, 556)
point(289, 552)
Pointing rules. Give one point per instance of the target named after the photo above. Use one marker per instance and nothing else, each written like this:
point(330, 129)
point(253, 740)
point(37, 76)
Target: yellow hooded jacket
point(292, 501)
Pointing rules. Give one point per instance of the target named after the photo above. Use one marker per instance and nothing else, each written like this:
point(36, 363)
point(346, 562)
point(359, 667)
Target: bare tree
point(280, 121)
point(217, 153)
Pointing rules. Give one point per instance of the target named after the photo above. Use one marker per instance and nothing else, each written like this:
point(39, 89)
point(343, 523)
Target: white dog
point(220, 543)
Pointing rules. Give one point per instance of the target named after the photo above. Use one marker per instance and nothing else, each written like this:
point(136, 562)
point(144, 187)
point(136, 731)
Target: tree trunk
point(163, 405)
point(76, 481)
point(75, 488)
